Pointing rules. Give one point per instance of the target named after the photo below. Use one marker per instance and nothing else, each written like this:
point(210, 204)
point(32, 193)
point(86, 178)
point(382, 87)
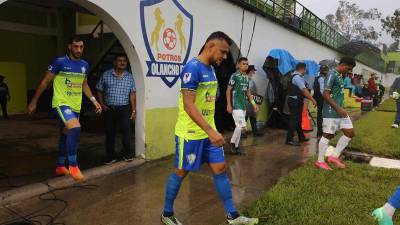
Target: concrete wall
point(157, 102)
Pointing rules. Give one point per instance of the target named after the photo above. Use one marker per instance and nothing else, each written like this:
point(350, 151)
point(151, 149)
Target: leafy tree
point(391, 24)
point(349, 19)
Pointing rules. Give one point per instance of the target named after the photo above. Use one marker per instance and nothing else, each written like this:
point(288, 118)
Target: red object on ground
point(305, 120)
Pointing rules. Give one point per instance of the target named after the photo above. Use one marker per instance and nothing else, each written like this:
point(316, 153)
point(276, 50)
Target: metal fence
point(295, 15)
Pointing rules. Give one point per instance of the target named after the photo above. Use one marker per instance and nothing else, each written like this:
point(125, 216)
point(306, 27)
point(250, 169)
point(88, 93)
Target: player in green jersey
point(237, 95)
point(334, 115)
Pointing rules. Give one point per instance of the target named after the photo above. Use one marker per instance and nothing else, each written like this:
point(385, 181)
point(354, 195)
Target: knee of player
point(180, 173)
point(220, 169)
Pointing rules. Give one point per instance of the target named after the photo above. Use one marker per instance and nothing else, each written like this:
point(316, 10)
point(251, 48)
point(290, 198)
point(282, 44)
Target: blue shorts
point(191, 154)
point(65, 113)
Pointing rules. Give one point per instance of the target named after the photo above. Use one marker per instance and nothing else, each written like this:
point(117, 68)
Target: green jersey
point(201, 79)
point(240, 85)
point(334, 83)
point(69, 76)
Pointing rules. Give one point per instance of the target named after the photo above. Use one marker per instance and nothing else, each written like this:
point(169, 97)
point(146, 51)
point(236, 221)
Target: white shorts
point(332, 125)
point(239, 116)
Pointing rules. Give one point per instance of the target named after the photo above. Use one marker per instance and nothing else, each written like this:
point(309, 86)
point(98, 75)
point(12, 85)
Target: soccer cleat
point(323, 166)
point(337, 162)
point(171, 220)
point(76, 173)
point(61, 171)
point(242, 220)
point(381, 217)
point(395, 125)
point(233, 149)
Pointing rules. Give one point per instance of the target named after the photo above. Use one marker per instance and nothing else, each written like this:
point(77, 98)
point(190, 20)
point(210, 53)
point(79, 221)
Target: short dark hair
point(348, 61)
point(242, 59)
point(120, 55)
point(221, 36)
point(301, 65)
point(74, 39)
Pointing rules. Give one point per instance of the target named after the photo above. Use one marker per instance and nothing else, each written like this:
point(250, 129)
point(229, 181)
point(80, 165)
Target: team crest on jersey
point(167, 30)
point(83, 70)
point(186, 77)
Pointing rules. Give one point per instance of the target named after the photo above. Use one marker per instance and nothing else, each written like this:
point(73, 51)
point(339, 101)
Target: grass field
point(389, 105)
point(375, 136)
point(312, 197)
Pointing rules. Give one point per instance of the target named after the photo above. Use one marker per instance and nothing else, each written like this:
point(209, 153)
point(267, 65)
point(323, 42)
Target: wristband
point(93, 99)
point(252, 102)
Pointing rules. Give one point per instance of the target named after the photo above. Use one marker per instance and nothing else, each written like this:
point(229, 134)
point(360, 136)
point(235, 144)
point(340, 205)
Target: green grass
point(375, 136)
point(312, 197)
point(389, 105)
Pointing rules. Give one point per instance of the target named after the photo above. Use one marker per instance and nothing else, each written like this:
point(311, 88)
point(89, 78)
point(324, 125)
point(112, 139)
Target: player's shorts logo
point(167, 30)
point(191, 158)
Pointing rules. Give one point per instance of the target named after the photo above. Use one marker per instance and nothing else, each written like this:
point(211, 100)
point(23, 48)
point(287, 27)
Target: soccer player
point(197, 140)
point(335, 116)
point(69, 74)
point(237, 94)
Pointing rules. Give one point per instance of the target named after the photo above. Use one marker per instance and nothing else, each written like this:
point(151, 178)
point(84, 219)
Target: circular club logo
point(169, 38)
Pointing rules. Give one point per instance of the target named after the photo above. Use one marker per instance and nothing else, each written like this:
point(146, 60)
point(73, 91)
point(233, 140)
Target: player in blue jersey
point(68, 74)
point(197, 140)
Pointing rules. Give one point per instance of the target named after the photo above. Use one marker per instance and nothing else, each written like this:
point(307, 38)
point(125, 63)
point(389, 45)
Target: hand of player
point(31, 108)
point(229, 108)
point(98, 107)
point(216, 138)
point(343, 113)
point(256, 108)
point(314, 103)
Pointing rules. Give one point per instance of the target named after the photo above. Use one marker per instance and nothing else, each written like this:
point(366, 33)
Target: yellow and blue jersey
point(68, 79)
point(200, 78)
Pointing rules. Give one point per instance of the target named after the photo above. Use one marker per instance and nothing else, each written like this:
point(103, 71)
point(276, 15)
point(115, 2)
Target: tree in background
point(391, 24)
point(350, 19)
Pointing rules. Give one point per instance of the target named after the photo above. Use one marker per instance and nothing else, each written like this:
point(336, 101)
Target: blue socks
point(224, 190)
point(172, 189)
point(72, 144)
point(62, 147)
point(395, 199)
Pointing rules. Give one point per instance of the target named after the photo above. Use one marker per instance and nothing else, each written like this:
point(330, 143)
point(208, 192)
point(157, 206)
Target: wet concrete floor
point(29, 148)
point(136, 197)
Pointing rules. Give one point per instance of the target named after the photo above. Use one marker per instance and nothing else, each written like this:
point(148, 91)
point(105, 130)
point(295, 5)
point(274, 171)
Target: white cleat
point(172, 220)
point(242, 220)
point(395, 125)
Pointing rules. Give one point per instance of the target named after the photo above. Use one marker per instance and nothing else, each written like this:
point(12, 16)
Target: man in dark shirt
point(4, 96)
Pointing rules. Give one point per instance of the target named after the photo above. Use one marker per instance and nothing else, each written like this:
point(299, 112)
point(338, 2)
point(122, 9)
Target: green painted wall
point(160, 126)
point(35, 51)
point(15, 74)
point(87, 19)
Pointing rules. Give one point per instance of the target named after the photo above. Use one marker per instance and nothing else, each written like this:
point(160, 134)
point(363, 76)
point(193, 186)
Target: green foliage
point(350, 20)
point(391, 24)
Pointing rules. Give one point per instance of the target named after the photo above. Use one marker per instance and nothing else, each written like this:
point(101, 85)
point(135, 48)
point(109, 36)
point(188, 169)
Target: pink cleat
point(323, 166)
point(337, 162)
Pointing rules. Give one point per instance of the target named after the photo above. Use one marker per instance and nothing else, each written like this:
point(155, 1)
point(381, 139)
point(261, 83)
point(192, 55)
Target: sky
point(324, 7)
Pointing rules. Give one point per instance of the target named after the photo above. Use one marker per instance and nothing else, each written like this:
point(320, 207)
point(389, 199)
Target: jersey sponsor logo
point(186, 77)
point(209, 97)
point(67, 68)
point(167, 30)
point(207, 112)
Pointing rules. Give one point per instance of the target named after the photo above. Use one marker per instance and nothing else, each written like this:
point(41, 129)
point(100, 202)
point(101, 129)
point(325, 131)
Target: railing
point(294, 14)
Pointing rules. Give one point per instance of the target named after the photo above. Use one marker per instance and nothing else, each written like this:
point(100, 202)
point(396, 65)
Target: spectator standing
point(394, 93)
point(117, 97)
point(318, 92)
point(251, 114)
point(4, 96)
point(296, 93)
